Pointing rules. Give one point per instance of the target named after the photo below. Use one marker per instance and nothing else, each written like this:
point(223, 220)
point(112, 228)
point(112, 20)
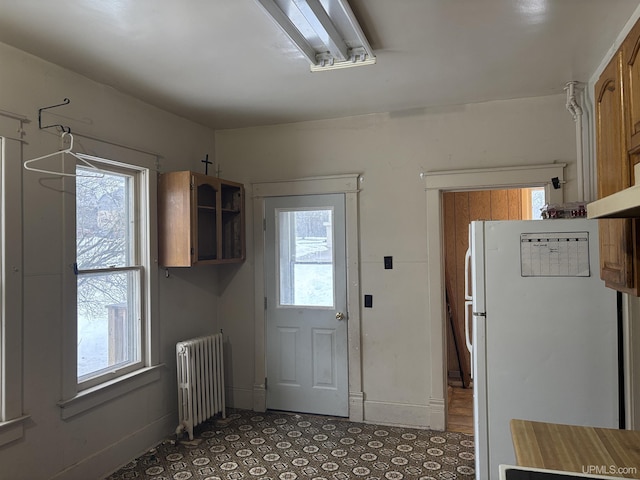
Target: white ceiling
point(225, 64)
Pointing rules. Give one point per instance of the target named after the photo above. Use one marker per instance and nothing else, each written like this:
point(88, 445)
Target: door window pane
point(306, 260)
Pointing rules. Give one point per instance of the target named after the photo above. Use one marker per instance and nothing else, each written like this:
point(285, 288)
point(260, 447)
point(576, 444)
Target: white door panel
point(323, 358)
point(287, 347)
point(305, 279)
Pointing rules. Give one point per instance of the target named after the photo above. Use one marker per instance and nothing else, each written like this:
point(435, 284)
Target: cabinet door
point(175, 200)
point(616, 235)
point(631, 83)
point(231, 218)
point(205, 223)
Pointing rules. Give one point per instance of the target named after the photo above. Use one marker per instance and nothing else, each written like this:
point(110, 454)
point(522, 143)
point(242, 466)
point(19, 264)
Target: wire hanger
point(67, 150)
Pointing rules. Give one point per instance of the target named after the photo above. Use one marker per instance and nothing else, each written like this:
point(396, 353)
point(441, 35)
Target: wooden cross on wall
point(206, 164)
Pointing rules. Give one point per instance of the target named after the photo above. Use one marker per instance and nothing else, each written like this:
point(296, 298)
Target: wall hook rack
point(64, 128)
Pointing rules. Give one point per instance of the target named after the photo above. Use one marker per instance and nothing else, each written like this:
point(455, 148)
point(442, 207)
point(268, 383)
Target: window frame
point(12, 418)
point(77, 398)
point(137, 208)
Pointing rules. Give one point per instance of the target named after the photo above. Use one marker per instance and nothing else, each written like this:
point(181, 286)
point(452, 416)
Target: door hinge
point(264, 224)
point(265, 303)
point(265, 383)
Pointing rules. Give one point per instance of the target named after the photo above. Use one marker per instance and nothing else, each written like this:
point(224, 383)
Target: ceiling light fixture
point(325, 31)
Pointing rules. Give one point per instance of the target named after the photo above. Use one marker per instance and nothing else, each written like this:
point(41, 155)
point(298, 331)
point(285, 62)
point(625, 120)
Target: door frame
point(457, 180)
point(347, 184)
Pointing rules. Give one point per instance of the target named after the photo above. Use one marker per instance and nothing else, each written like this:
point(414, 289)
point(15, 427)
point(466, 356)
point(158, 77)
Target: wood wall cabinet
point(617, 98)
point(200, 220)
point(631, 86)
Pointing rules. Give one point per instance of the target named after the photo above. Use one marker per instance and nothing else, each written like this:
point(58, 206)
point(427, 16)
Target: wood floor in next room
point(460, 418)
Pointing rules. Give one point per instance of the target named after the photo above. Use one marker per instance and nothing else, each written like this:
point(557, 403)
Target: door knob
point(339, 316)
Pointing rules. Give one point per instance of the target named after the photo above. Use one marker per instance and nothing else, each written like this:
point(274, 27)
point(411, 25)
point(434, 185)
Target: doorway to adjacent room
point(546, 176)
point(460, 208)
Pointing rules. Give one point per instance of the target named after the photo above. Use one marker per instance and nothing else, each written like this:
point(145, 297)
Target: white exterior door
point(306, 317)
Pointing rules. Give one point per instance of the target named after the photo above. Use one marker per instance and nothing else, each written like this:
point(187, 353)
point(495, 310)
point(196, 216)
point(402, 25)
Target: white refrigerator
point(544, 332)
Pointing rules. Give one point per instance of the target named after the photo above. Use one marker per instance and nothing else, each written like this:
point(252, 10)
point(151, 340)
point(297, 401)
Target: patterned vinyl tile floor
point(286, 446)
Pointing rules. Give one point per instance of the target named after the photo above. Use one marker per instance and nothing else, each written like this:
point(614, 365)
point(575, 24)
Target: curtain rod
point(15, 116)
point(128, 147)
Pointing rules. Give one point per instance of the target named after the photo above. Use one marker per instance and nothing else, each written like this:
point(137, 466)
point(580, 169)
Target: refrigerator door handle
point(467, 334)
point(468, 306)
point(467, 268)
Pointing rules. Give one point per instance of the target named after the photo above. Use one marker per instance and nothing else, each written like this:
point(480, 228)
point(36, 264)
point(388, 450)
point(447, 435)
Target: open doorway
point(460, 208)
point(549, 176)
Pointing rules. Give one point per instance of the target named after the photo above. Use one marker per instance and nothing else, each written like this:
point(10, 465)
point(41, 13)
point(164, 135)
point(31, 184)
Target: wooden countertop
point(576, 449)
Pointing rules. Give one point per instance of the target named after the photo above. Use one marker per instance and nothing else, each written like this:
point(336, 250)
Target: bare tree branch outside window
point(107, 288)
point(102, 231)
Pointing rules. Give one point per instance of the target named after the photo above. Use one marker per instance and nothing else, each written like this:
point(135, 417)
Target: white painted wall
point(92, 444)
point(390, 150)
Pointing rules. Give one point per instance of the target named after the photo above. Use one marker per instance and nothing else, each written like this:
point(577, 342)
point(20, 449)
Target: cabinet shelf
point(200, 220)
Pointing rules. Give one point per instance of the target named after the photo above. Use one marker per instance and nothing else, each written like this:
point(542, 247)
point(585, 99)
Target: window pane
point(306, 257)
point(537, 203)
point(103, 220)
point(108, 321)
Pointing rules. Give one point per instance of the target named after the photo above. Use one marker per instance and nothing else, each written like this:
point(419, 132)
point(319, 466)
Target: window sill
point(12, 430)
point(105, 392)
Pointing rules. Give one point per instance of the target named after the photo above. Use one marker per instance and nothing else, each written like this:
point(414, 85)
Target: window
point(533, 201)
point(306, 257)
point(110, 342)
point(110, 226)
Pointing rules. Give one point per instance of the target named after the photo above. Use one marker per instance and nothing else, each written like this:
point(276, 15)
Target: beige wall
point(96, 442)
point(390, 151)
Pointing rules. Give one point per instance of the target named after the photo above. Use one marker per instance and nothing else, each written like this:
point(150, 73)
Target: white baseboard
point(356, 406)
point(437, 417)
point(385, 413)
point(108, 460)
point(400, 414)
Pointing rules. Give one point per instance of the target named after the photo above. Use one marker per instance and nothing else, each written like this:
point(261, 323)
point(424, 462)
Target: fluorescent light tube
point(327, 33)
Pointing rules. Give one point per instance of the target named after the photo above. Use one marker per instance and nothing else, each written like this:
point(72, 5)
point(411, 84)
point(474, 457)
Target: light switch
point(368, 301)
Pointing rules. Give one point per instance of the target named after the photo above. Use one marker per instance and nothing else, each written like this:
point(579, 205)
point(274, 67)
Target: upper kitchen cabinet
point(200, 220)
point(618, 252)
point(631, 86)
